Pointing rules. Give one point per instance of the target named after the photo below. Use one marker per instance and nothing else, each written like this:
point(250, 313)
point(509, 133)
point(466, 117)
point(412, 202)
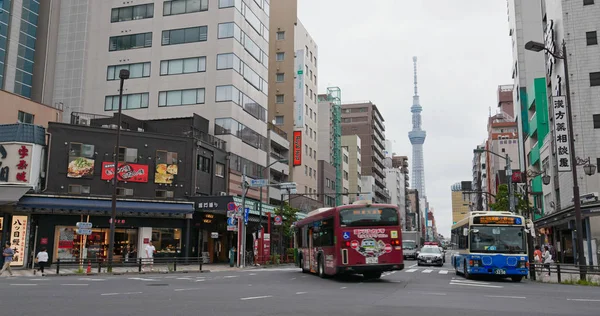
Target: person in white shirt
point(150, 250)
point(42, 259)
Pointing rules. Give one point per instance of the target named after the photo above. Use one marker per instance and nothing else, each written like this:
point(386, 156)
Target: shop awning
point(12, 193)
point(83, 204)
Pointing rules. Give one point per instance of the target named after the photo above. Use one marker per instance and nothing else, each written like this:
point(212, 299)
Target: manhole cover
point(158, 284)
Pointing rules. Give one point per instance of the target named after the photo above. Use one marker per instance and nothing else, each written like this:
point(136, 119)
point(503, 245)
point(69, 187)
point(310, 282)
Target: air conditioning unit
point(223, 193)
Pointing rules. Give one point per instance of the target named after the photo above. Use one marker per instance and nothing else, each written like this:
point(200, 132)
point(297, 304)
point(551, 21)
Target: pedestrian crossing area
point(426, 271)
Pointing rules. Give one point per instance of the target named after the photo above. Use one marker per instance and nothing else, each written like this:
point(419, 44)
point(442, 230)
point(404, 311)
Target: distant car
point(430, 255)
point(443, 254)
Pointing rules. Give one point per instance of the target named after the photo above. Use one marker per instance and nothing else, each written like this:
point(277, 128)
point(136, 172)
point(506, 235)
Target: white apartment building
point(346, 175)
point(184, 57)
point(353, 145)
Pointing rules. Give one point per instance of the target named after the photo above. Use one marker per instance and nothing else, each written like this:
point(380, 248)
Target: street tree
point(502, 201)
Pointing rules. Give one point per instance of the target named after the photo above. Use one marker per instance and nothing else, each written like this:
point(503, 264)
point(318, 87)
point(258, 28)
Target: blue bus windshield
point(497, 239)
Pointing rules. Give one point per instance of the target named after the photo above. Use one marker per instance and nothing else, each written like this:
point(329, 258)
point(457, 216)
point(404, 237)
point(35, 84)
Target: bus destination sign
point(500, 220)
point(368, 212)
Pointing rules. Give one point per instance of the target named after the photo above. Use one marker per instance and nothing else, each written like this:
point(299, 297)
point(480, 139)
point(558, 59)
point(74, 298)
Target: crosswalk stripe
point(427, 271)
point(411, 270)
point(443, 271)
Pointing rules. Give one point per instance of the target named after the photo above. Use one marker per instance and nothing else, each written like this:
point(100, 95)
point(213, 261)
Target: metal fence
point(98, 265)
point(565, 272)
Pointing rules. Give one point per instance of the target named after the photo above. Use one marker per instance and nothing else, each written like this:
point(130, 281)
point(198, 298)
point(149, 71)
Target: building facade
point(16, 108)
point(365, 120)
point(278, 172)
point(293, 91)
point(352, 143)
point(461, 203)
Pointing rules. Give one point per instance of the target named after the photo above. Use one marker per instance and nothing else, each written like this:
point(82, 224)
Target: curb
point(118, 273)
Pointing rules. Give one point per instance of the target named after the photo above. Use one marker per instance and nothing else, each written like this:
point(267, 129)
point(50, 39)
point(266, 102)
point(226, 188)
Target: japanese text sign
point(297, 146)
point(15, 163)
point(126, 172)
point(561, 130)
point(18, 239)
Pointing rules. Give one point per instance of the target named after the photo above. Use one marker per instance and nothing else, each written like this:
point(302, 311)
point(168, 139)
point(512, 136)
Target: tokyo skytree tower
point(417, 138)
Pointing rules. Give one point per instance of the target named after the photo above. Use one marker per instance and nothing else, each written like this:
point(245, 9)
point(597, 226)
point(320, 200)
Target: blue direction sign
point(246, 215)
point(258, 182)
point(83, 225)
point(84, 231)
point(231, 221)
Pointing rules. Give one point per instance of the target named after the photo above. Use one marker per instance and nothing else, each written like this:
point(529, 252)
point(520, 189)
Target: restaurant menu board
point(165, 173)
point(126, 172)
point(498, 220)
point(18, 238)
point(80, 167)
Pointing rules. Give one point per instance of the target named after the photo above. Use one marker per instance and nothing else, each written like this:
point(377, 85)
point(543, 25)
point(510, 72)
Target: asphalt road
point(415, 290)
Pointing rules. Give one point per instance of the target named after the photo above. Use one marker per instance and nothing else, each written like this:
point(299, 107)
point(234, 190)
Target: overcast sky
point(464, 53)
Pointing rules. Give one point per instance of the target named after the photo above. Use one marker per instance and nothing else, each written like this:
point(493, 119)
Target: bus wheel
point(372, 275)
point(517, 278)
point(465, 272)
point(320, 267)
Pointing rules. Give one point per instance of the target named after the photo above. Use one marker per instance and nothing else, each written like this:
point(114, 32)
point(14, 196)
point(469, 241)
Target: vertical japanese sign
point(299, 90)
point(18, 239)
point(297, 148)
point(561, 131)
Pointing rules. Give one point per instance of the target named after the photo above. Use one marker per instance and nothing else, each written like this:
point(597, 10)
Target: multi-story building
point(352, 143)
point(293, 90)
point(478, 199)
point(168, 47)
point(401, 162)
point(345, 175)
point(19, 60)
point(461, 203)
point(395, 184)
point(365, 120)
point(414, 218)
point(280, 170)
point(16, 108)
point(327, 185)
point(503, 139)
point(330, 143)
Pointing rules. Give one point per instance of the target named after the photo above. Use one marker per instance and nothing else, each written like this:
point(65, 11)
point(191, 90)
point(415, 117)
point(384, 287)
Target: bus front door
point(311, 259)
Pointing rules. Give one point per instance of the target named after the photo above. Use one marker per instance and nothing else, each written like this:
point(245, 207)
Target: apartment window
point(231, 93)
point(280, 56)
point(124, 192)
point(306, 50)
point(311, 75)
point(24, 117)
point(306, 66)
point(306, 91)
point(220, 170)
point(279, 98)
point(591, 38)
point(136, 12)
point(182, 66)
point(306, 149)
point(311, 113)
point(310, 172)
point(138, 70)
point(310, 94)
point(184, 36)
point(315, 61)
point(229, 126)
point(79, 189)
point(279, 120)
point(133, 41)
point(130, 101)
point(594, 79)
point(588, 2)
point(280, 77)
point(596, 118)
point(315, 78)
point(280, 35)
point(311, 56)
point(305, 128)
point(181, 97)
point(128, 154)
point(203, 164)
point(306, 111)
point(184, 6)
point(305, 173)
point(226, 3)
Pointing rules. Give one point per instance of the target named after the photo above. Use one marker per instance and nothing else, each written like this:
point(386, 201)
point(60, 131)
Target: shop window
point(124, 192)
point(203, 164)
point(68, 245)
point(164, 194)
point(220, 170)
point(167, 241)
point(128, 154)
point(79, 189)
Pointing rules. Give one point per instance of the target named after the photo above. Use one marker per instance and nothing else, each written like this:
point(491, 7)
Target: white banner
point(299, 90)
point(19, 238)
point(561, 130)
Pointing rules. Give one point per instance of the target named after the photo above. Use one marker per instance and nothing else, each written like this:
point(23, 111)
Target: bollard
point(231, 257)
point(174, 264)
point(57, 266)
point(558, 272)
point(99, 266)
point(139, 260)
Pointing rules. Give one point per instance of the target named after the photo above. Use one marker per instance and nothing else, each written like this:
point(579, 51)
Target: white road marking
point(582, 300)
point(343, 287)
point(255, 297)
point(278, 269)
point(109, 294)
point(411, 270)
point(252, 274)
point(502, 296)
point(184, 278)
point(414, 265)
point(39, 279)
point(126, 293)
point(427, 271)
point(454, 282)
point(200, 280)
point(75, 284)
point(293, 279)
point(89, 279)
point(142, 279)
point(129, 293)
point(190, 289)
point(300, 293)
point(443, 272)
point(230, 276)
point(30, 284)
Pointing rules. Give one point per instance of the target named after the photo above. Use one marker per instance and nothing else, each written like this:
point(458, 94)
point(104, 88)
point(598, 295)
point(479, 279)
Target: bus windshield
point(369, 216)
point(497, 239)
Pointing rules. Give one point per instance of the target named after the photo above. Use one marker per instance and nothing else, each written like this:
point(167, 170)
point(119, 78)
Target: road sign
point(231, 206)
point(287, 185)
point(84, 231)
point(83, 225)
point(231, 221)
point(259, 182)
point(278, 220)
point(230, 213)
point(246, 215)
point(232, 228)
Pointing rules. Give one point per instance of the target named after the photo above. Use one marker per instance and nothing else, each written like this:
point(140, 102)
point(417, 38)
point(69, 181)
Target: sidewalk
point(163, 268)
point(564, 277)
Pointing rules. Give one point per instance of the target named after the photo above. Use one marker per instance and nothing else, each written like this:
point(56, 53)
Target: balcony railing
point(81, 118)
point(277, 130)
point(212, 140)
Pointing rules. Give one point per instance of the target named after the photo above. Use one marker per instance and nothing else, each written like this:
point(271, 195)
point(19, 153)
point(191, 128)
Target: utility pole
point(511, 192)
point(242, 232)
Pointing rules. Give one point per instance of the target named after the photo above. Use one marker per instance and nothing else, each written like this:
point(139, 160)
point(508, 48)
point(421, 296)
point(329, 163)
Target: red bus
point(359, 238)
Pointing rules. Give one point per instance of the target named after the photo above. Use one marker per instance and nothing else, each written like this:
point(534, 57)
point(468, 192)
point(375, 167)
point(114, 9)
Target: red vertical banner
point(297, 145)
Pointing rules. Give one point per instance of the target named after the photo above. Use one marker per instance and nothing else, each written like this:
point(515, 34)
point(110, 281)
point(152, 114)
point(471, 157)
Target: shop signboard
point(299, 87)
point(297, 148)
point(18, 238)
point(561, 129)
point(214, 235)
point(267, 246)
point(19, 163)
point(166, 167)
point(126, 172)
point(81, 161)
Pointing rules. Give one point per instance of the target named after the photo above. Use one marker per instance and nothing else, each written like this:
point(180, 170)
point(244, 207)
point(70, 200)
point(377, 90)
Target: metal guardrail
point(565, 269)
point(99, 264)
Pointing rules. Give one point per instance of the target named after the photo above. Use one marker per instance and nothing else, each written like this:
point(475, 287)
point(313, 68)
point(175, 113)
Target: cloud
point(464, 54)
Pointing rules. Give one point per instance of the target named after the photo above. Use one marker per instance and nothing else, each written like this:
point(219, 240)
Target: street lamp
point(259, 233)
point(538, 47)
point(123, 75)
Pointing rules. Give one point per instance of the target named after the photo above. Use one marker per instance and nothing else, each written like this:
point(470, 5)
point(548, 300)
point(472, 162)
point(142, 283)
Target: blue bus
point(491, 243)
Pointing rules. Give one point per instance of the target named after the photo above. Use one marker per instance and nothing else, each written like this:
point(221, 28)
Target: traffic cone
point(89, 267)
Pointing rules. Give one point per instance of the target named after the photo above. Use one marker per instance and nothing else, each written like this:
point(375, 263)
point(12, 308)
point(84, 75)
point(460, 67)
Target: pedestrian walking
point(42, 260)
point(149, 259)
point(8, 254)
point(537, 257)
point(547, 257)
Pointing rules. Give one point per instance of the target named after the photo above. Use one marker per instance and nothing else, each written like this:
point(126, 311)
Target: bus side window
point(304, 239)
